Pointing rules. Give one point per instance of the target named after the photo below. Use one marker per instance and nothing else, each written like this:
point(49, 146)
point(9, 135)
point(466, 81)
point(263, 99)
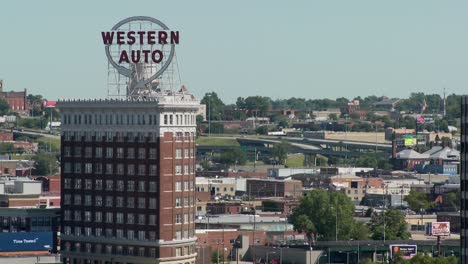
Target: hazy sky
point(310, 49)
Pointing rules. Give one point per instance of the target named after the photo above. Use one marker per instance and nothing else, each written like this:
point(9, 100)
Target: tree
point(45, 164)
point(418, 201)
point(391, 223)
point(333, 117)
point(4, 107)
point(234, 156)
point(280, 151)
point(326, 211)
point(214, 106)
point(303, 224)
point(262, 130)
point(217, 256)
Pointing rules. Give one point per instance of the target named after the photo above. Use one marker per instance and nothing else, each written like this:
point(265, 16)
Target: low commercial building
point(273, 188)
point(216, 186)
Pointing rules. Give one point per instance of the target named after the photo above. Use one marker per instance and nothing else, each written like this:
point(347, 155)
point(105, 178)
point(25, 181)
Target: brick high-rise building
point(464, 181)
point(128, 179)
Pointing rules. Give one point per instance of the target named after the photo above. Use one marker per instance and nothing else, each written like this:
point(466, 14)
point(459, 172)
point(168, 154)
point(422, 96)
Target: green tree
point(4, 107)
point(280, 151)
point(392, 223)
point(214, 106)
point(233, 156)
point(217, 256)
point(303, 224)
point(326, 211)
point(418, 201)
point(262, 130)
point(333, 117)
point(45, 164)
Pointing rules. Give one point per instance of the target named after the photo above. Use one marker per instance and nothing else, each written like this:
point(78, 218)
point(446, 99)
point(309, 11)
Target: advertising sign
point(27, 241)
point(406, 251)
point(49, 104)
point(410, 141)
point(440, 229)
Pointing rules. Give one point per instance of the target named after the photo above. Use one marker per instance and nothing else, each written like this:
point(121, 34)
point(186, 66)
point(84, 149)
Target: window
point(186, 153)
point(109, 201)
point(152, 220)
point(119, 234)
point(152, 187)
point(88, 184)
point(186, 170)
point(131, 153)
point(120, 169)
point(67, 199)
point(77, 152)
point(88, 152)
point(141, 250)
point(98, 168)
point(130, 169)
point(109, 185)
point(98, 200)
point(141, 203)
point(98, 233)
point(130, 219)
point(98, 152)
point(152, 203)
point(130, 202)
point(178, 170)
point(109, 232)
point(120, 153)
point(119, 201)
point(152, 235)
point(87, 216)
point(178, 153)
point(152, 253)
point(152, 153)
point(178, 186)
point(78, 233)
point(177, 202)
point(186, 219)
point(88, 200)
point(67, 215)
point(109, 152)
point(77, 215)
point(153, 170)
point(67, 167)
point(191, 152)
point(186, 188)
point(178, 252)
point(67, 152)
point(98, 185)
point(141, 169)
point(130, 235)
point(67, 183)
point(186, 202)
point(120, 186)
point(141, 219)
point(109, 217)
point(109, 168)
point(178, 219)
point(130, 186)
point(141, 186)
point(88, 168)
point(77, 167)
point(185, 234)
point(178, 235)
point(119, 218)
point(77, 183)
point(141, 153)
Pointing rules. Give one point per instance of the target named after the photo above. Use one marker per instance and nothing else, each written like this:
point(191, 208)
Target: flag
point(420, 120)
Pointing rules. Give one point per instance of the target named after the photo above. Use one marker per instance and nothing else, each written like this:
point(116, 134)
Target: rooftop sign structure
point(140, 51)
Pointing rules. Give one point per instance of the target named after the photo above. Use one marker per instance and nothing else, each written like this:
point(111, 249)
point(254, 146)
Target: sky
point(281, 49)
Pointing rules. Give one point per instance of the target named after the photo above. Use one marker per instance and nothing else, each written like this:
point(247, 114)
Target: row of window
point(111, 136)
point(121, 169)
point(110, 201)
point(109, 152)
point(109, 217)
point(184, 186)
point(110, 185)
point(123, 250)
point(128, 119)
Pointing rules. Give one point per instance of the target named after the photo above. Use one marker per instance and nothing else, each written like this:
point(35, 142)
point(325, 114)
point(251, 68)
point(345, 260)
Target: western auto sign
point(440, 229)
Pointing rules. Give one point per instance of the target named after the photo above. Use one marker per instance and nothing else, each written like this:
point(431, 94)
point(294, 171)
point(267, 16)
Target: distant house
point(386, 104)
point(16, 100)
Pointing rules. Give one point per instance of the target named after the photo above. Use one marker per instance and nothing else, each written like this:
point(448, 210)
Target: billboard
point(405, 251)
point(26, 241)
point(440, 229)
point(410, 141)
point(49, 104)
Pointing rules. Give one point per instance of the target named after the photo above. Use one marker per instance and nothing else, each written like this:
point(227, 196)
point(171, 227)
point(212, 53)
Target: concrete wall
point(288, 255)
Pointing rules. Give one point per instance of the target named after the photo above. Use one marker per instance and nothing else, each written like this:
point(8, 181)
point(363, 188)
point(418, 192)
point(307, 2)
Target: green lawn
point(218, 141)
point(295, 161)
point(54, 142)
